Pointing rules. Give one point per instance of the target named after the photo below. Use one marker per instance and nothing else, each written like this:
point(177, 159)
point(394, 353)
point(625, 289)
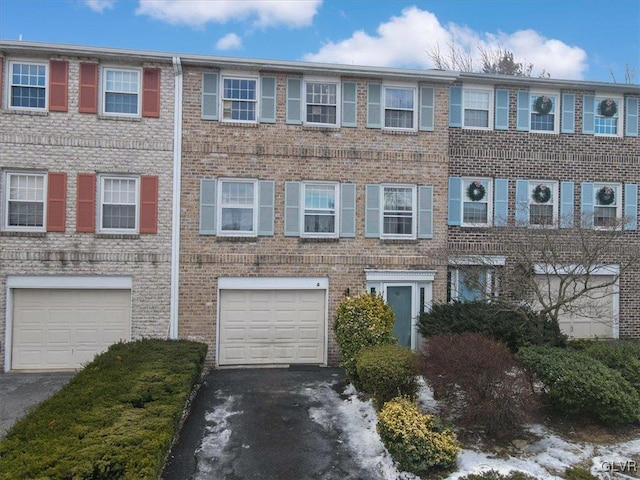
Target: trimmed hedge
point(579, 384)
point(387, 371)
point(412, 440)
point(115, 419)
point(361, 322)
point(492, 320)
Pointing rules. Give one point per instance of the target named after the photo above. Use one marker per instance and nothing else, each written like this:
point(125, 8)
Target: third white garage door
point(270, 327)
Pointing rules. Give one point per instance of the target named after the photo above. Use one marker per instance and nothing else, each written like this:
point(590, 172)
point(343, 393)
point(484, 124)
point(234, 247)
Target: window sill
point(400, 132)
point(321, 128)
point(319, 239)
point(32, 113)
point(13, 233)
point(119, 118)
point(231, 123)
point(399, 241)
point(118, 236)
point(232, 239)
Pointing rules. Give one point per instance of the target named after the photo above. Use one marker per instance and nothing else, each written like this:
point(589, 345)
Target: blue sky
point(572, 39)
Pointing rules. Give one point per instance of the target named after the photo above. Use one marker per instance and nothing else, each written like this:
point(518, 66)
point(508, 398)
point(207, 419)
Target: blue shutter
point(425, 211)
point(372, 213)
point(455, 201)
point(455, 106)
point(566, 204)
point(210, 96)
point(374, 105)
point(294, 101)
point(631, 206)
point(631, 117)
point(522, 203)
point(349, 104)
point(586, 204)
point(268, 100)
point(426, 109)
point(568, 113)
point(588, 113)
point(502, 109)
point(208, 206)
point(501, 202)
point(292, 209)
point(265, 207)
point(348, 210)
point(524, 111)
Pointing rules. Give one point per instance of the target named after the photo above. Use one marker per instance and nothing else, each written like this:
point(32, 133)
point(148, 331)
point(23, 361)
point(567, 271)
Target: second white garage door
point(63, 329)
point(263, 327)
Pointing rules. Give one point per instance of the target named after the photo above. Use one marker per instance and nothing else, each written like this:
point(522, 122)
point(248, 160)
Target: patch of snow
point(216, 437)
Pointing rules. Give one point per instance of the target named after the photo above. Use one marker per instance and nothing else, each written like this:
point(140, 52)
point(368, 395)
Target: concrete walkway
point(21, 392)
point(257, 424)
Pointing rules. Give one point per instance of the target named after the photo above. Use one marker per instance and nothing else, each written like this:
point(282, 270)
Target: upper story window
point(239, 99)
point(28, 85)
point(320, 209)
point(24, 201)
point(607, 205)
point(543, 112)
point(542, 203)
point(398, 211)
point(608, 112)
point(237, 200)
point(399, 108)
point(477, 108)
point(119, 202)
point(322, 102)
point(477, 202)
point(121, 91)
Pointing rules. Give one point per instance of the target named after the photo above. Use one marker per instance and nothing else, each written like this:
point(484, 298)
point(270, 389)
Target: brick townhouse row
point(238, 202)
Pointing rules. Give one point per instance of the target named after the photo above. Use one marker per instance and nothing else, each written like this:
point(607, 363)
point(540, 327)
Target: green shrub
point(578, 473)
point(495, 475)
point(576, 383)
point(387, 371)
point(513, 329)
point(412, 440)
point(362, 321)
point(615, 355)
point(115, 419)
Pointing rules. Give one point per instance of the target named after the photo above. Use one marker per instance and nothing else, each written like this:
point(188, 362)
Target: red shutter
point(151, 92)
point(58, 85)
point(149, 204)
point(86, 203)
point(56, 201)
point(88, 91)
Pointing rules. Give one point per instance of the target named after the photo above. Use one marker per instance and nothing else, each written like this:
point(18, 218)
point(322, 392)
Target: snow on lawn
point(545, 458)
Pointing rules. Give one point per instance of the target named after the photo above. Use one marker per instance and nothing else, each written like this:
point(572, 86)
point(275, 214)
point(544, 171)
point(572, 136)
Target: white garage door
point(591, 315)
point(63, 329)
point(259, 327)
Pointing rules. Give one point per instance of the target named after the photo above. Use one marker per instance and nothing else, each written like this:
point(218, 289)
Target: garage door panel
point(279, 326)
point(63, 329)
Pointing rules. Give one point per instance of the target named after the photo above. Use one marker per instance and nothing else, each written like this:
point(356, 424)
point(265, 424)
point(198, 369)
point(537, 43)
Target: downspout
point(175, 221)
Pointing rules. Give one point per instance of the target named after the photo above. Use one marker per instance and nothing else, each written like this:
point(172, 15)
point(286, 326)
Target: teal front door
point(399, 299)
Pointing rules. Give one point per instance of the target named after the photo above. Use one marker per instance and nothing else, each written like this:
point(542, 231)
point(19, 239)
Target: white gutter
point(175, 222)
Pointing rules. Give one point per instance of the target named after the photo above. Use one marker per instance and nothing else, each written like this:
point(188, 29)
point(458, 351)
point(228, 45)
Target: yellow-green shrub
point(362, 321)
point(412, 440)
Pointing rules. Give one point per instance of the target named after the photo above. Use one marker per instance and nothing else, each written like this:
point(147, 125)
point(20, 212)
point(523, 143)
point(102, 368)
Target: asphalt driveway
point(21, 392)
point(267, 424)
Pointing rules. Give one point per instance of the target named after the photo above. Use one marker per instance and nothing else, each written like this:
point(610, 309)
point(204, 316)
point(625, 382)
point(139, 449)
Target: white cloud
point(230, 41)
point(406, 40)
point(197, 13)
point(99, 5)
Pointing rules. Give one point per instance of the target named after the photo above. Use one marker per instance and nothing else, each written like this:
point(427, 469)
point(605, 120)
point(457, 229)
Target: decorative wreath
point(608, 108)
point(606, 196)
point(543, 105)
point(476, 191)
point(541, 194)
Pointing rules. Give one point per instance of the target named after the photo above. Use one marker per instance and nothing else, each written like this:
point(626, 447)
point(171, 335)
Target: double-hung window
point(320, 209)
point(400, 111)
point(543, 203)
point(543, 112)
point(119, 201)
point(121, 91)
point(608, 111)
point(239, 99)
point(477, 107)
point(477, 202)
point(607, 205)
point(28, 85)
point(398, 211)
point(322, 102)
point(237, 200)
point(25, 197)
